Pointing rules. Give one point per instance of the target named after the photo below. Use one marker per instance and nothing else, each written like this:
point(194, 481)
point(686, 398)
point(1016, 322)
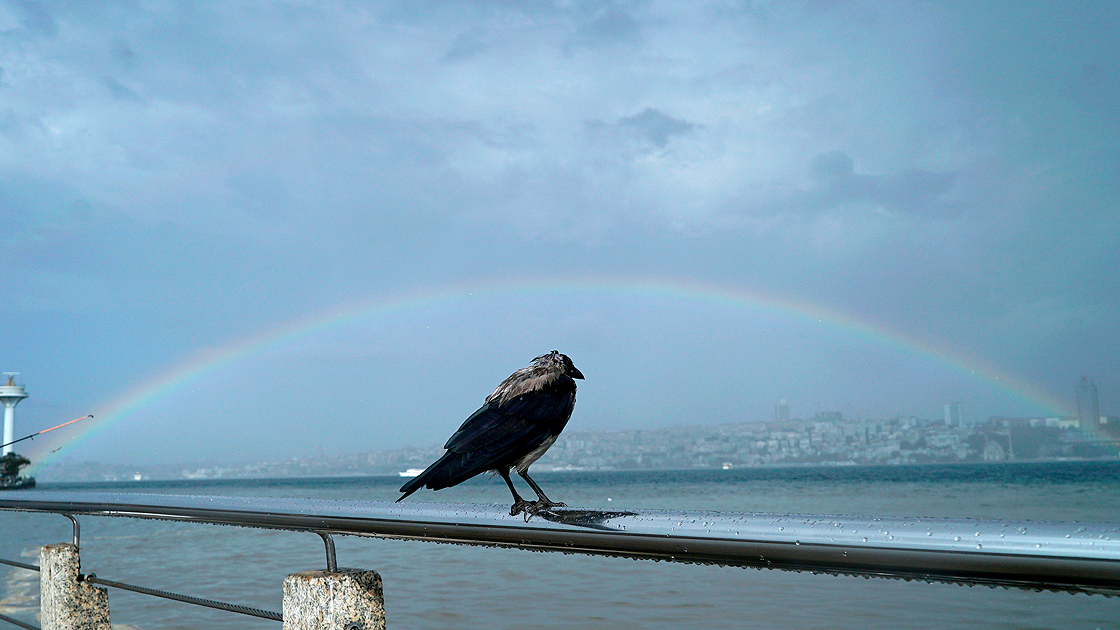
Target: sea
point(442, 586)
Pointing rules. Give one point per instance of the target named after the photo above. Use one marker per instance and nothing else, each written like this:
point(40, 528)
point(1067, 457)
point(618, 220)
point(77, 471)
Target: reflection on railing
point(1072, 557)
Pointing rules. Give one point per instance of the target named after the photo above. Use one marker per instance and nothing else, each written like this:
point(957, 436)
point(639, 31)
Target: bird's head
point(554, 361)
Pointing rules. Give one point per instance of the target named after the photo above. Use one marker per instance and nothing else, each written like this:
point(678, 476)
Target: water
point(449, 586)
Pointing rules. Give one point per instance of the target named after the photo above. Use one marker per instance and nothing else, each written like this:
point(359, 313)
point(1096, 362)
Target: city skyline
point(952, 416)
point(829, 439)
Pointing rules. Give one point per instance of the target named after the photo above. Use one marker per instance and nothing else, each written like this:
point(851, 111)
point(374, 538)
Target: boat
point(411, 472)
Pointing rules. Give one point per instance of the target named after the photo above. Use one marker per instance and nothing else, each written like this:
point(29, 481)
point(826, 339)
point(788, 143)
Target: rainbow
point(192, 370)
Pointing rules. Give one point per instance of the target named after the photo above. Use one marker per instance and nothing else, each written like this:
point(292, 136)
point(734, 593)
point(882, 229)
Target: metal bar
point(1073, 557)
point(77, 530)
point(198, 601)
point(17, 622)
point(29, 567)
point(332, 562)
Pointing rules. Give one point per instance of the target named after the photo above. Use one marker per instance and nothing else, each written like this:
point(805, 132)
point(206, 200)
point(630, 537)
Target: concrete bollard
point(66, 603)
point(349, 599)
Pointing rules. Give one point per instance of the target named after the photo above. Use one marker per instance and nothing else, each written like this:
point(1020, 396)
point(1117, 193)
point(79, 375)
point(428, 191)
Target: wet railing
point(1072, 557)
point(1030, 554)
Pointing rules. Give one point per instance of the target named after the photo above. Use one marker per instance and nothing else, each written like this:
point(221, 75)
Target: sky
point(239, 231)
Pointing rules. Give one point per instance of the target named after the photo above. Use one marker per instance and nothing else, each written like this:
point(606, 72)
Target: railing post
point(347, 599)
point(66, 603)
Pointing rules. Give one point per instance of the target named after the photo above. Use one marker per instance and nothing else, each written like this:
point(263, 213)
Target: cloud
point(606, 27)
point(35, 17)
point(120, 91)
point(649, 129)
point(911, 191)
point(657, 127)
point(468, 44)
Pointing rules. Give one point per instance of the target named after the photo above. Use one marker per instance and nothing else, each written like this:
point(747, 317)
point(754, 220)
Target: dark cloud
point(651, 126)
point(911, 191)
point(36, 17)
point(120, 91)
point(609, 27)
point(122, 53)
point(467, 45)
point(656, 126)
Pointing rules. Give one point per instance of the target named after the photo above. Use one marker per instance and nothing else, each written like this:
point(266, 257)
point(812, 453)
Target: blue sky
point(177, 178)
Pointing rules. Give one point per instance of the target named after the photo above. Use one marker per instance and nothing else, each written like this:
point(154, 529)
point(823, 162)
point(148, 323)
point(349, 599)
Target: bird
point(516, 424)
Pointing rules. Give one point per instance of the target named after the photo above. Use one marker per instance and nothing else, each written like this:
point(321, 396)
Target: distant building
point(829, 416)
point(781, 411)
point(994, 452)
point(1088, 408)
point(1062, 423)
point(953, 414)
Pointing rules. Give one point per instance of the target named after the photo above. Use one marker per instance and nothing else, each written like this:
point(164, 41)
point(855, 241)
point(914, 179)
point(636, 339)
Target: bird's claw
point(533, 508)
point(528, 507)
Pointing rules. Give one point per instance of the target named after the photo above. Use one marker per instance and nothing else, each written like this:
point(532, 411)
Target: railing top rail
point(1076, 557)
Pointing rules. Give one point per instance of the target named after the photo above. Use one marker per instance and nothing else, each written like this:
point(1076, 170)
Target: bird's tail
point(413, 485)
point(417, 482)
point(447, 471)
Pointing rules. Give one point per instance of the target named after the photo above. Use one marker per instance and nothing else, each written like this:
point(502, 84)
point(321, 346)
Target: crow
point(512, 429)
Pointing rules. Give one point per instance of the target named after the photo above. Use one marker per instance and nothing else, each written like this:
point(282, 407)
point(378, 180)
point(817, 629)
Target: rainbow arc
point(149, 392)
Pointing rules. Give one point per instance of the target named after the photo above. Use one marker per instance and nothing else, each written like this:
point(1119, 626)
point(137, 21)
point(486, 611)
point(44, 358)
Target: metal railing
point(187, 599)
point(1072, 557)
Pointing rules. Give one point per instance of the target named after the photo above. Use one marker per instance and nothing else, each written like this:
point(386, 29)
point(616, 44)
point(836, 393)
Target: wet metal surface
point(1077, 557)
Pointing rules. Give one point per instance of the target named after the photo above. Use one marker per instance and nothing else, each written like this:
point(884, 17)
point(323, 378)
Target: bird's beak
point(575, 373)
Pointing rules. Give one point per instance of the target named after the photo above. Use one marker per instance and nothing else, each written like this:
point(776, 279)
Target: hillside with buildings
point(826, 439)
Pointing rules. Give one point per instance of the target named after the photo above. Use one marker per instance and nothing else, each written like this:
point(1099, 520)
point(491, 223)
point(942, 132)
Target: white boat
point(411, 472)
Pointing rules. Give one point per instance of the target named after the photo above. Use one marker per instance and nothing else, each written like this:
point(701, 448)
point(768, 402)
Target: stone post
point(349, 599)
point(66, 603)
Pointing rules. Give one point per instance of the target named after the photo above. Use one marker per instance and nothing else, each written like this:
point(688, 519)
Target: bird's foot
point(545, 505)
point(533, 508)
point(528, 507)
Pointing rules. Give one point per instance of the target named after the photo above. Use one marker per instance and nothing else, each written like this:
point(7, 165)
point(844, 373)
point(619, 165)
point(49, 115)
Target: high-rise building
point(953, 414)
point(1088, 408)
point(781, 411)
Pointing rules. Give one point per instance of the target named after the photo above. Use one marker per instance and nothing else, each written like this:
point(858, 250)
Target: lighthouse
point(10, 395)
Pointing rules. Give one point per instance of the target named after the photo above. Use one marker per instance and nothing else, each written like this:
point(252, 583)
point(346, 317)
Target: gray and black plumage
point(512, 429)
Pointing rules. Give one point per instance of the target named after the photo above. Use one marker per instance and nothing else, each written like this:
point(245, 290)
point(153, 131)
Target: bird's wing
point(456, 466)
point(520, 416)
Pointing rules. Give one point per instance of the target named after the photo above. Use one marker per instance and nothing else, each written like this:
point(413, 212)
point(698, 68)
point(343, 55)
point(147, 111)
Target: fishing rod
point(59, 426)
